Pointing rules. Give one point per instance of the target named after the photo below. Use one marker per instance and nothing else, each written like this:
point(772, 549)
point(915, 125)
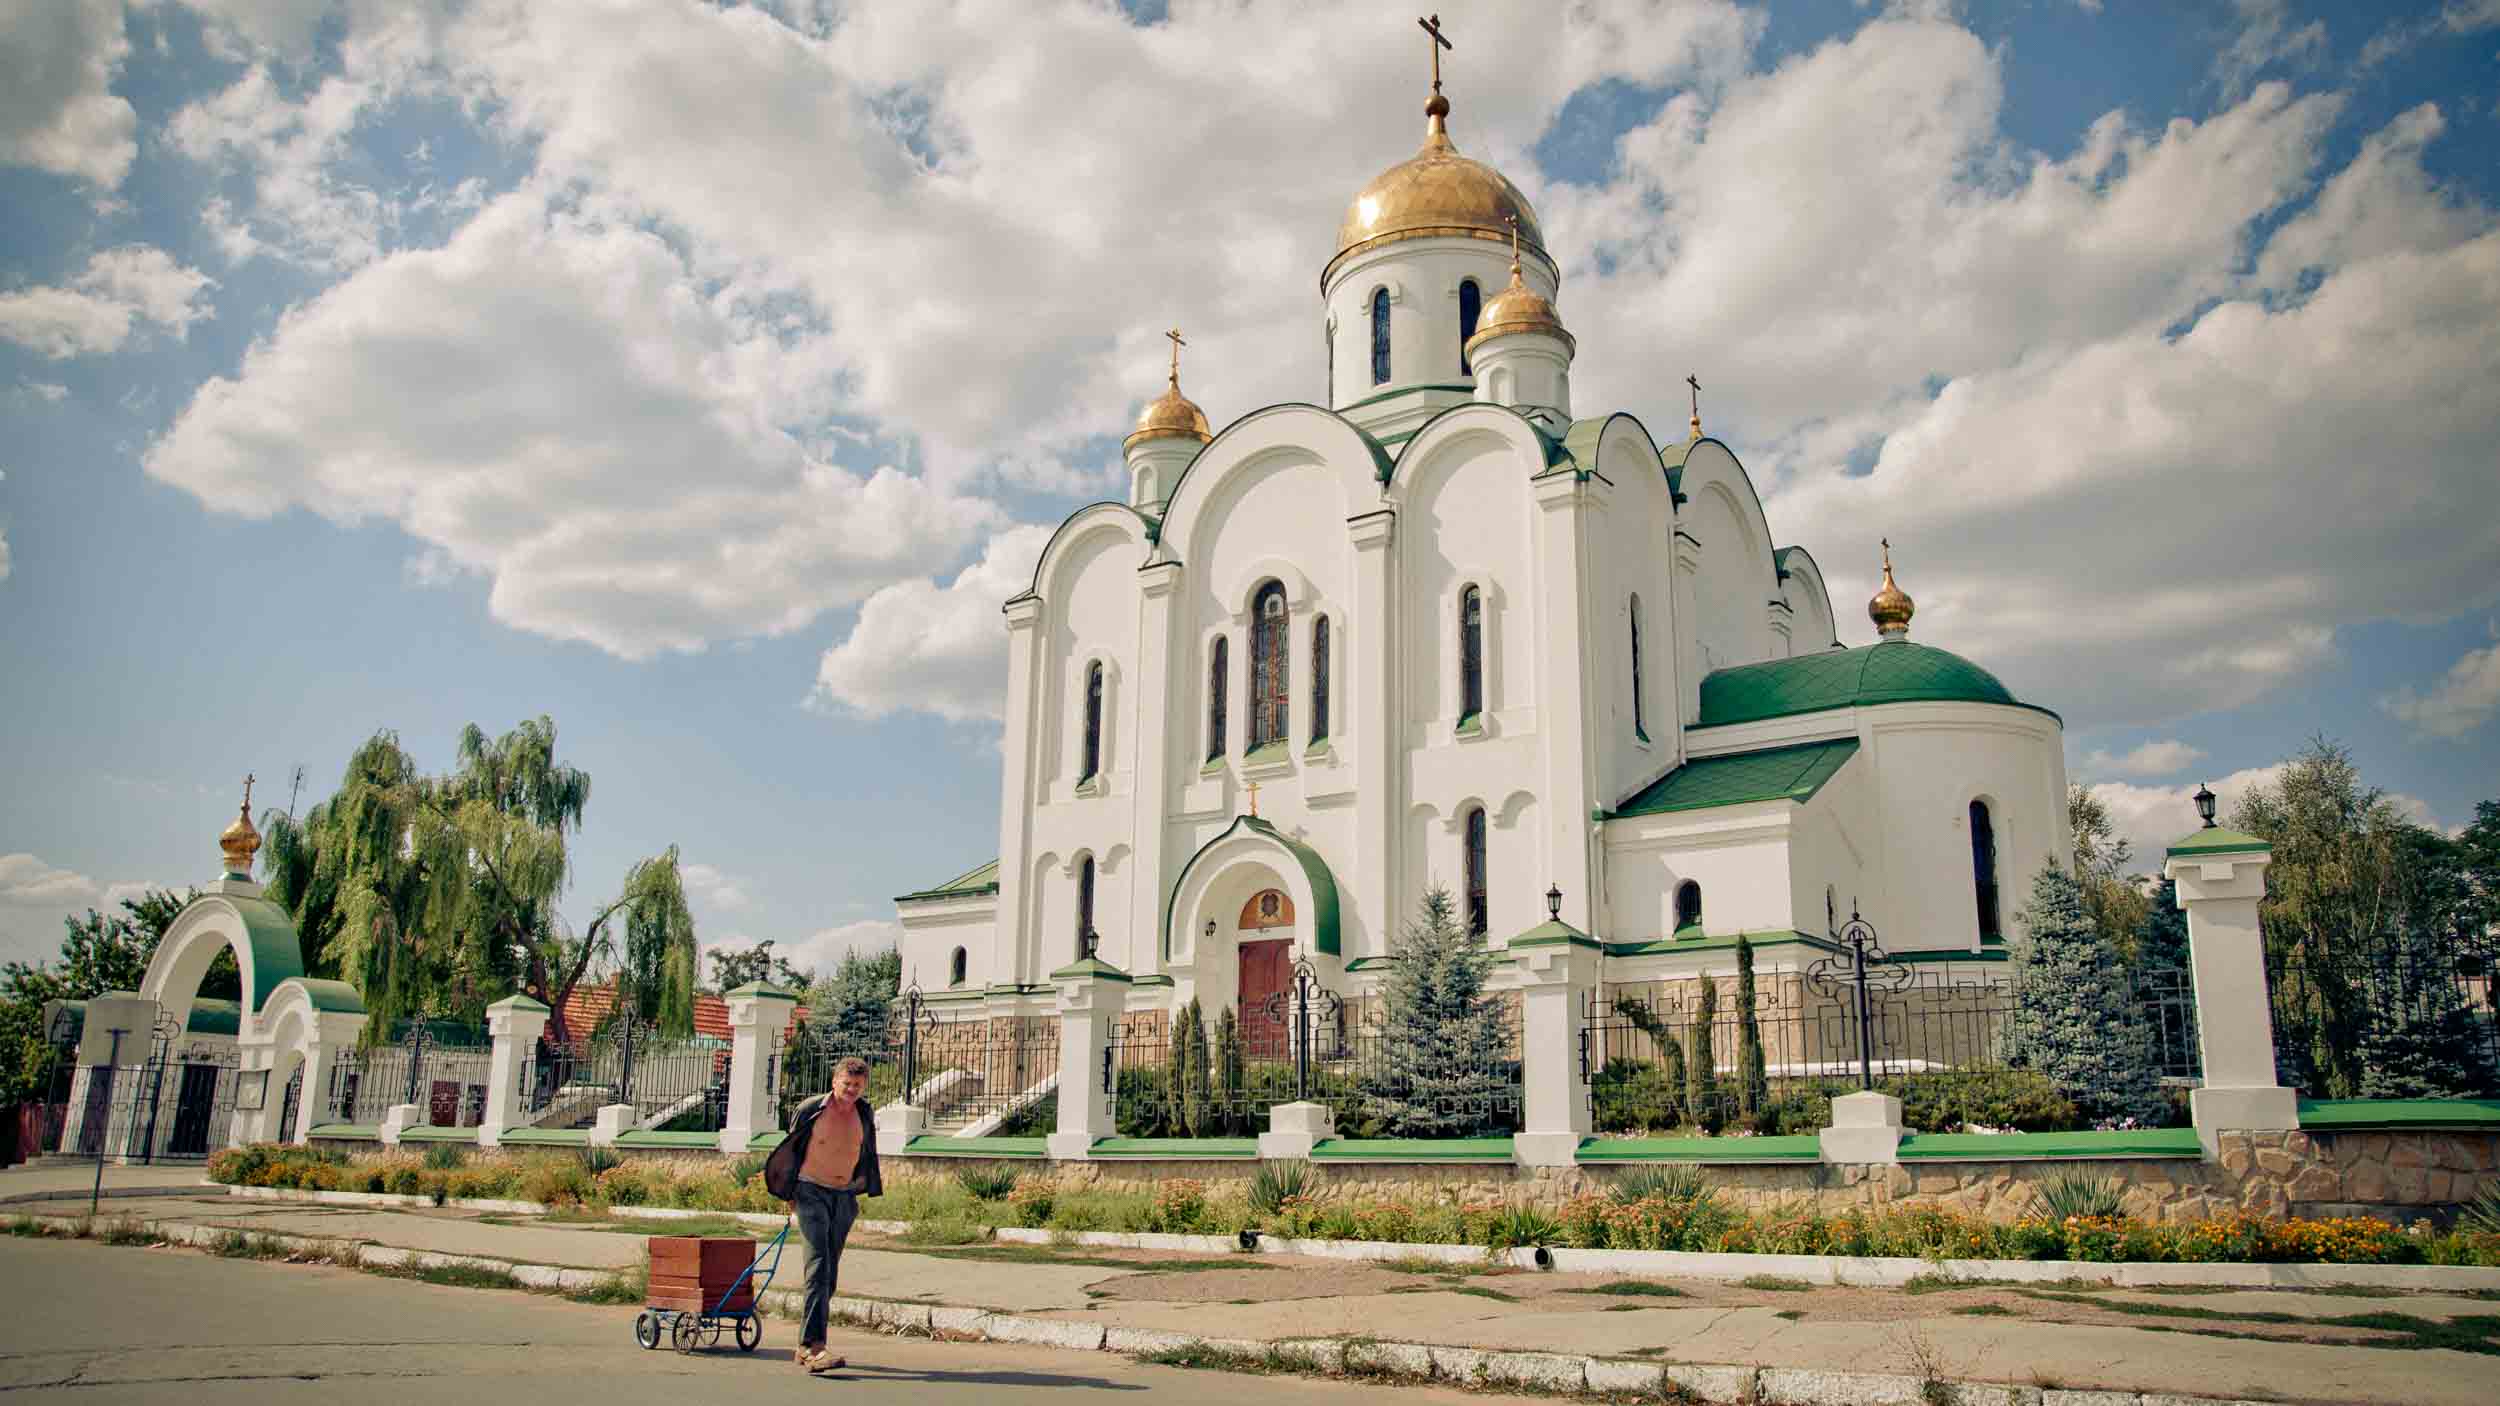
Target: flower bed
point(1688, 1217)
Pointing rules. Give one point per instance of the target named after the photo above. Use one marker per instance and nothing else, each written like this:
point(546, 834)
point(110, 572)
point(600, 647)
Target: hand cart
point(687, 1329)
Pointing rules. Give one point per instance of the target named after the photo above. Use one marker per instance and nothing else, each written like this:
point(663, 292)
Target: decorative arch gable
point(1248, 833)
point(1802, 586)
point(266, 949)
point(1357, 462)
point(1086, 523)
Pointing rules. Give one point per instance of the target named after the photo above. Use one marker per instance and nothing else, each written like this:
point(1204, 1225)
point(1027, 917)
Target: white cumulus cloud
point(100, 307)
point(2463, 699)
point(937, 649)
point(57, 108)
point(2151, 759)
point(824, 949)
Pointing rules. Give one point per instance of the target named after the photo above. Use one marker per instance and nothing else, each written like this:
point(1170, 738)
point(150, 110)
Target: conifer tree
point(2162, 939)
point(1701, 1064)
point(1189, 1070)
point(2421, 1039)
point(1232, 1111)
point(1442, 1061)
point(2073, 1017)
point(1753, 1071)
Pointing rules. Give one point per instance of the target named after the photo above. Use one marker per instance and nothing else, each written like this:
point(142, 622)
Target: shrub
point(1382, 1220)
point(2481, 1216)
point(748, 1164)
point(2071, 1195)
point(595, 1160)
point(1031, 1202)
point(444, 1157)
point(1274, 1182)
point(1517, 1226)
point(627, 1185)
point(1180, 1205)
point(555, 1180)
point(1679, 1181)
point(1073, 1213)
point(1297, 1216)
point(402, 1180)
point(990, 1183)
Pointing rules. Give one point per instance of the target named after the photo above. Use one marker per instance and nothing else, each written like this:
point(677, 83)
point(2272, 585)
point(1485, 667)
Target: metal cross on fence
point(1865, 965)
point(1302, 995)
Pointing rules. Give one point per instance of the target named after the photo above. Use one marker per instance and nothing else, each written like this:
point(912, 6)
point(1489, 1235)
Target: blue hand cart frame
point(687, 1331)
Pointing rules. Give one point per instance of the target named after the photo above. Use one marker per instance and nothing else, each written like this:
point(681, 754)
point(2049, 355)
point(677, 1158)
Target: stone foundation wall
point(2399, 1176)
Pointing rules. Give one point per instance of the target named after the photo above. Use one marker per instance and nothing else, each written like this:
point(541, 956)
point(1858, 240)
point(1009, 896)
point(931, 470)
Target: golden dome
point(1170, 415)
point(239, 840)
point(1892, 607)
point(1518, 308)
point(1435, 192)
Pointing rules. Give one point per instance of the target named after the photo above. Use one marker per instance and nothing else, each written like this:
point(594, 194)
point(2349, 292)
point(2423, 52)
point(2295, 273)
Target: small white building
point(1449, 628)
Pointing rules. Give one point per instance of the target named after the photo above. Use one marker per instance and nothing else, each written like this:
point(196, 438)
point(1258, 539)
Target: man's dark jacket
point(781, 1170)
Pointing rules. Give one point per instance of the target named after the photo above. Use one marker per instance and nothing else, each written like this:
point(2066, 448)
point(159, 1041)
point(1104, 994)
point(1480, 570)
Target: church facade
point(1448, 629)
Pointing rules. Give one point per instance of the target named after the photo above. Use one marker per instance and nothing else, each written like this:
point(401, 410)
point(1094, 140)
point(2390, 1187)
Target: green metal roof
point(1324, 915)
point(1774, 774)
point(970, 884)
point(2217, 839)
point(1895, 671)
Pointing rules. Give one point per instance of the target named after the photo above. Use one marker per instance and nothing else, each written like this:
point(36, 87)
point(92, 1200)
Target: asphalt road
point(100, 1323)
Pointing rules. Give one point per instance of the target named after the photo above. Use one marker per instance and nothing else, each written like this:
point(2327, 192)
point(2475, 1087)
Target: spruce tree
point(1701, 1065)
point(1189, 1072)
point(1443, 1059)
point(2074, 1019)
point(2162, 939)
point(2421, 1039)
point(1753, 1070)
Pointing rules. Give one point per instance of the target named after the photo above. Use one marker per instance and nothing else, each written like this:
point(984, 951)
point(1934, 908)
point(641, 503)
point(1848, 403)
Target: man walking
point(822, 1167)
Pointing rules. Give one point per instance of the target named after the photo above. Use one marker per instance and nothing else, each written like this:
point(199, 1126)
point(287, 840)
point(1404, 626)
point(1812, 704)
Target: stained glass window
point(1093, 722)
point(1477, 916)
point(1470, 307)
point(1270, 669)
point(1380, 337)
point(1216, 691)
point(1319, 679)
point(1983, 864)
point(1470, 653)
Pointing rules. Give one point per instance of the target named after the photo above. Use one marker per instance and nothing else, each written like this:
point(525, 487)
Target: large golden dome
point(1170, 415)
point(1436, 192)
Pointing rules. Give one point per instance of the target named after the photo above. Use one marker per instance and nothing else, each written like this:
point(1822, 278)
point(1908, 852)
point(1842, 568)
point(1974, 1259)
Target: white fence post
point(1092, 994)
point(758, 1017)
point(515, 1022)
point(1557, 965)
point(2221, 876)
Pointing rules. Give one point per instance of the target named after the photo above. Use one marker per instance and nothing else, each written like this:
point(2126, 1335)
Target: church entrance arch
point(1264, 969)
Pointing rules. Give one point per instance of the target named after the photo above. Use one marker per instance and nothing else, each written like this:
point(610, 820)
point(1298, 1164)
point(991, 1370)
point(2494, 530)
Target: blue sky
point(702, 377)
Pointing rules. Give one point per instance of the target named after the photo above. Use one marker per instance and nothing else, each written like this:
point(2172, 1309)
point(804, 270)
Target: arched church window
point(1687, 905)
point(1470, 653)
point(1470, 307)
point(1380, 336)
point(1319, 679)
point(1084, 905)
point(1639, 722)
point(1093, 722)
point(1217, 658)
point(1983, 865)
point(1478, 917)
point(1270, 670)
point(955, 968)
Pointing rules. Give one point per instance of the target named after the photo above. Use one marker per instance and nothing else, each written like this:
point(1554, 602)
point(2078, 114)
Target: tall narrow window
point(1085, 906)
point(1093, 723)
point(1217, 688)
point(1319, 679)
point(1470, 653)
point(1380, 337)
point(1477, 914)
point(1270, 669)
point(1470, 307)
point(1687, 905)
point(1639, 723)
point(955, 968)
point(1983, 866)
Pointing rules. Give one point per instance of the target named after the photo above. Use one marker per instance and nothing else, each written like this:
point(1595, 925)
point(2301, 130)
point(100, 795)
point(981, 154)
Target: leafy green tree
point(2112, 899)
point(99, 953)
point(733, 967)
point(1662, 1080)
point(1442, 1066)
point(1753, 1071)
point(436, 895)
point(2074, 1018)
point(1701, 1062)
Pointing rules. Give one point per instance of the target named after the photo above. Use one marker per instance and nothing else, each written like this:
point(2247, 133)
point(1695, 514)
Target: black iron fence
point(447, 1080)
point(970, 1068)
point(674, 1084)
point(1173, 1074)
point(2392, 1015)
point(176, 1106)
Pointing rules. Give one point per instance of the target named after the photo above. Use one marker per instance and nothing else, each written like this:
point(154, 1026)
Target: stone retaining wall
point(2399, 1176)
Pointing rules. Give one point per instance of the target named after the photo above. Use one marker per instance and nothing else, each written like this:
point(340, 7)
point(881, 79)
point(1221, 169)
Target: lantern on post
point(2205, 804)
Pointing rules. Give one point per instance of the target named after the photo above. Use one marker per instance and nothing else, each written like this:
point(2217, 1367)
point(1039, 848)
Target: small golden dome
point(1518, 308)
point(1892, 607)
point(1170, 415)
point(239, 840)
point(1435, 192)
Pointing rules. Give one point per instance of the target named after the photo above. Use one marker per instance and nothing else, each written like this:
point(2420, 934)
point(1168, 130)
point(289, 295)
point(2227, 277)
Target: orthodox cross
point(1512, 220)
point(1440, 41)
point(1177, 344)
point(1254, 799)
point(1695, 383)
point(248, 779)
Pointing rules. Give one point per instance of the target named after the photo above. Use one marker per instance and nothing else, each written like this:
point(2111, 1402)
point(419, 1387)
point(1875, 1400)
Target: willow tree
point(436, 895)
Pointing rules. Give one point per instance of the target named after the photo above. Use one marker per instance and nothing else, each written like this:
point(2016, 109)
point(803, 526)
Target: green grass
point(1635, 1288)
point(2476, 1333)
point(1945, 1283)
point(455, 1276)
point(715, 1226)
point(26, 1225)
point(1791, 1314)
point(1037, 1254)
point(624, 1288)
point(1415, 1264)
point(1479, 1291)
point(1774, 1284)
point(1623, 1308)
point(946, 1230)
point(1984, 1310)
point(125, 1232)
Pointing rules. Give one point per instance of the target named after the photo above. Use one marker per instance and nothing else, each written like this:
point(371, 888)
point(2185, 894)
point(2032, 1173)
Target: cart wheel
point(712, 1333)
point(750, 1332)
point(683, 1335)
point(647, 1329)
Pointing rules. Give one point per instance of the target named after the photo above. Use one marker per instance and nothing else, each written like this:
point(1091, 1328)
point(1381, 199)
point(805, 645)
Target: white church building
point(1448, 628)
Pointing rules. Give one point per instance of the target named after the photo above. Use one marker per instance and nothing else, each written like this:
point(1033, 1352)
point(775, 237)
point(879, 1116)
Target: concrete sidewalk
point(1776, 1341)
point(62, 1178)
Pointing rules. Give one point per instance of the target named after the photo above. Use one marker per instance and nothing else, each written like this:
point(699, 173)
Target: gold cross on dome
point(248, 779)
point(1695, 383)
point(1440, 41)
point(1254, 800)
point(1177, 344)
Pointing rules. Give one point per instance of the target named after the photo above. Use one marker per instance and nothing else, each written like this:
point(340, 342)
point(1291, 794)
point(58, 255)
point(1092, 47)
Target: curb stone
point(1541, 1370)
